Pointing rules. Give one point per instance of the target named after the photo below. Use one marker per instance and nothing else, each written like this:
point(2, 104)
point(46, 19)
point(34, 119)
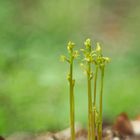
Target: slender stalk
point(89, 102)
point(95, 85)
point(101, 102)
point(91, 133)
point(94, 99)
point(72, 118)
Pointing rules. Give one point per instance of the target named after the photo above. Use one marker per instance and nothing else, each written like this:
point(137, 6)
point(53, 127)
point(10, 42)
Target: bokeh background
point(34, 33)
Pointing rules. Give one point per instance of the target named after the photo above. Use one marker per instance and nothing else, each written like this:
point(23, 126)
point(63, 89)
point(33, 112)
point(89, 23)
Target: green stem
point(89, 102)
point(72, 118)
point(101, 102)
point(94, 100)
point(90, 115)
point(95, 85)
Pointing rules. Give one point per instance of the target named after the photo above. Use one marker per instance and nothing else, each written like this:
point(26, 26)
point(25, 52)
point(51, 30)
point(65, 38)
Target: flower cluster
point(87, 43)
point(94, 55)
point(100, 60)
point(73, 53)
point(92, 61)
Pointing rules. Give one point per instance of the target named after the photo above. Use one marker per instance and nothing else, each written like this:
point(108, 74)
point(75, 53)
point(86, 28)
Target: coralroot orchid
point(72, 55)
point(88, 60)
point(93, 60)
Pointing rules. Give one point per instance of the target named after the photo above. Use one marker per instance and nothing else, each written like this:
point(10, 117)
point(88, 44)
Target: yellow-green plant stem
point(101, 102)
point(72, 118)
point(95, 85)
point(91, 134)
point(94, 99)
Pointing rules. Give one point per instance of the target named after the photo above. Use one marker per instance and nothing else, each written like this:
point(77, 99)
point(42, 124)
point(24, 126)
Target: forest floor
point(122, 129)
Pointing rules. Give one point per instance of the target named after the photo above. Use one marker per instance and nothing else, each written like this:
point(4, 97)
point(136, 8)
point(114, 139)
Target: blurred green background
point(34, 33)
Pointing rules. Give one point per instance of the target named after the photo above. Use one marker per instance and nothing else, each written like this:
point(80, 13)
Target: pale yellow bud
point(87, 43)
point(107, 59)
point(75, 54)
point(70, 46)
point(98, 48)
point(62, 58)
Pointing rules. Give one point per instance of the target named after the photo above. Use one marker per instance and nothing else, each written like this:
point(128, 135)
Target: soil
point(122, 129)
point(81, 134)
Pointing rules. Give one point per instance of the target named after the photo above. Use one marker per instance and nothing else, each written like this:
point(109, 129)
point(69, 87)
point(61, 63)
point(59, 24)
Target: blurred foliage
point(33, 34)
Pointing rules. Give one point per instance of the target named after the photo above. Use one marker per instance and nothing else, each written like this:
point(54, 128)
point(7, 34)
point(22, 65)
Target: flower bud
point(75, 54)
point(62, 58)
point(70, 46)
point(98, 48)
point(88, 43)
point(107, 59)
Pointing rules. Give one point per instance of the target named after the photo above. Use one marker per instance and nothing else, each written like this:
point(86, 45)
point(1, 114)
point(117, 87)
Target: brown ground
point(122, 129)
